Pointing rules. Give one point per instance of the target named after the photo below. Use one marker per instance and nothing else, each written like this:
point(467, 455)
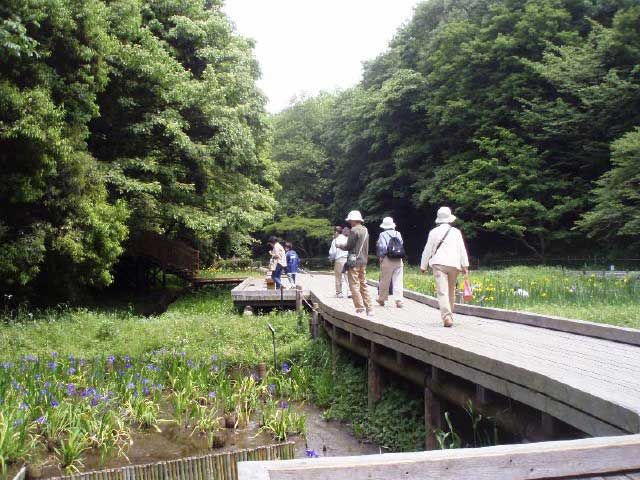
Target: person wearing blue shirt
point(293, 261)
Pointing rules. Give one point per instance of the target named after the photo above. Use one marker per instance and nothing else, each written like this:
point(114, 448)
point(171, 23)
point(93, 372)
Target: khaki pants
point(338, 268)
point(446, 281)
point(391, 271)
point(359, 290)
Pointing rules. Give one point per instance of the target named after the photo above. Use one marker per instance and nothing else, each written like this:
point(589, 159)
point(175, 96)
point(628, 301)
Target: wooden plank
point(568, 414)
point(591, 329)
point(572, 389)
point(586, 457)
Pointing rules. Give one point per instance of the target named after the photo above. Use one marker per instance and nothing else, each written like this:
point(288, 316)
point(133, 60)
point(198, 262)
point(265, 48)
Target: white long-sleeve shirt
point(452, 252)
point(279, 255)
point(336, 253)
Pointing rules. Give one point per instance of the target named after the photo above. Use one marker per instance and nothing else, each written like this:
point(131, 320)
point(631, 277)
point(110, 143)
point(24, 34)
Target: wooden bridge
point(540, 377)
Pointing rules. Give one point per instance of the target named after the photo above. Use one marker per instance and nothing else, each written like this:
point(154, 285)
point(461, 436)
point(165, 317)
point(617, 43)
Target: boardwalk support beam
point(298, 298)
point(374, 382)
point(432, 418)
point(314, 321)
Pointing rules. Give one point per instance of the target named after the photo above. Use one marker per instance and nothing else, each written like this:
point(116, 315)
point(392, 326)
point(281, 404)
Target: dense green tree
point(503, 109)
point(182, 134)
point(616, 214)
point(56, 221)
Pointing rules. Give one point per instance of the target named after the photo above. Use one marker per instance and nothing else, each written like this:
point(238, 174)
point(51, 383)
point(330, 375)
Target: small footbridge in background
point(539, 377)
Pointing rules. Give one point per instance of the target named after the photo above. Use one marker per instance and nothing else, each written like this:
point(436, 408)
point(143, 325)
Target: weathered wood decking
point(588, 459)
point(253, 292)
point(571, 373)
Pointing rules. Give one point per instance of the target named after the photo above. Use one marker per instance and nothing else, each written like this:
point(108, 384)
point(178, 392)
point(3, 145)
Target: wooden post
point(374, 374)
point(548, 425)
point(314, 321)
point(432, 411)
point(482, 395)
point(298, 298)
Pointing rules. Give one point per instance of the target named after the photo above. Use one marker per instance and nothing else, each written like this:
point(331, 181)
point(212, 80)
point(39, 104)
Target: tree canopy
point(509, 111)
point(122, 116)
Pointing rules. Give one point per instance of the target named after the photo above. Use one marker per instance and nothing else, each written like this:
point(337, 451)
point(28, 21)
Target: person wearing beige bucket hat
point(357, 244)
point(446, 254)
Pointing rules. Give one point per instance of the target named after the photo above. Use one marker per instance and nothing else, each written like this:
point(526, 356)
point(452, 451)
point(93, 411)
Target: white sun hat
point(355, 215)
point(445, 215)
point(387, 223)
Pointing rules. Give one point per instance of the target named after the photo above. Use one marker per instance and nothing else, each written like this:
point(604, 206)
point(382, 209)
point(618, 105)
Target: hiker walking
point(446, 254)
point(357, 245)
point(390, 249)
point(278, 259)
point(339, 258)
point(293, 263)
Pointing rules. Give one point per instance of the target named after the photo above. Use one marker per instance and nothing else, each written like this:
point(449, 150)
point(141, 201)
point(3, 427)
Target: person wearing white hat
point(446, 254)
point(390, 249)
point(357, 244)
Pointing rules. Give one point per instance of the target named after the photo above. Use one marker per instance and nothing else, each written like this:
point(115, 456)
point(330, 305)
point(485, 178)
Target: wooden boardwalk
point(570, 379)
point(253, 292)
point(590, 383)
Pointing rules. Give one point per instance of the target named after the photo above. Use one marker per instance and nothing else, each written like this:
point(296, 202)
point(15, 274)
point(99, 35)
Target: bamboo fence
point(215, 466)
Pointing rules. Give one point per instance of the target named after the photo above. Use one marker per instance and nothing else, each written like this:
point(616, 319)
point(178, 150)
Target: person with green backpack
point(390, 249)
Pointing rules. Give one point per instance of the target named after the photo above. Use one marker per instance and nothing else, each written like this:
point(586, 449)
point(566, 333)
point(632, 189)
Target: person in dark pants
point(293, 262)
point(279, 259)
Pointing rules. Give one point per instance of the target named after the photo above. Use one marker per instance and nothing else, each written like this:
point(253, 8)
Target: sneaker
point(448, 322)
point(380, 302)
point(399, 304)
point(359, 310)
point(370, 313)
point(339, 295)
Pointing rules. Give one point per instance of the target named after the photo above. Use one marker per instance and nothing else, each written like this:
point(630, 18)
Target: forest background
point(123, 116)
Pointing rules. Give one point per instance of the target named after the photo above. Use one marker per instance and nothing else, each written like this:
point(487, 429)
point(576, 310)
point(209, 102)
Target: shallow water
point(172, 442)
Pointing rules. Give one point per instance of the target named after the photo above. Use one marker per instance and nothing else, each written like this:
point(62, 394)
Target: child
point(293, 260)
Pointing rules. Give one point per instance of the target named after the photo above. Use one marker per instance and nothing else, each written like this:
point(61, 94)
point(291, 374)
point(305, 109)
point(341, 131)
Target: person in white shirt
point(446, 254)
point(339, 258)
point(279, 260)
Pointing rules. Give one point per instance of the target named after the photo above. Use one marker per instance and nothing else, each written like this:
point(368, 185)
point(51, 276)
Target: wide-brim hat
point(387, 223)
point(445, 215)
point(355, 216)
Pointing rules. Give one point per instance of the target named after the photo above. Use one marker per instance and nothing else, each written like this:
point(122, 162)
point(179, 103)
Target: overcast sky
point(305, 46)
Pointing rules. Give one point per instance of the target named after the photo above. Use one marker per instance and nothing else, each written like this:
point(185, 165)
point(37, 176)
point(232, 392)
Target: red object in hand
point(467, 293)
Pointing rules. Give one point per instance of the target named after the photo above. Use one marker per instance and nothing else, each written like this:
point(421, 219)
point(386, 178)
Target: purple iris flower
point(17, 422)
point(212, 395)
point(214, 358)
point(54, 403)
point(145, 391)
point(127, 365)
point(285, 368)
point(52, 365)
point(311, 453)
point(111, 359)
point(54, 354)
point(284, 404)
point(131, 386)
point(41, 420)
point(71, 371)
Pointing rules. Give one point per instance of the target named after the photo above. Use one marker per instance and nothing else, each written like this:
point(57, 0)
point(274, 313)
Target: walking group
point(283, 260)
point(444, 252)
